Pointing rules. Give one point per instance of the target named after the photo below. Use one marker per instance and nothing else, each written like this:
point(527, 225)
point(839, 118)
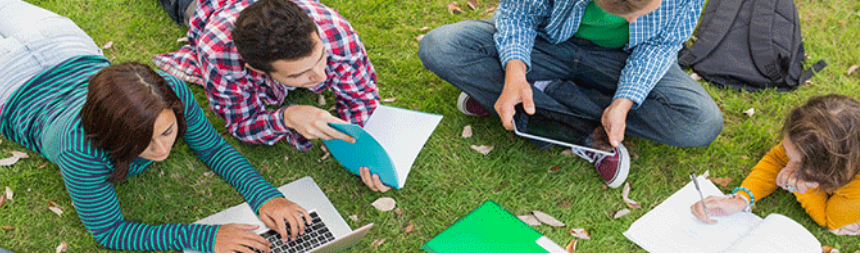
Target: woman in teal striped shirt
point(101, 123)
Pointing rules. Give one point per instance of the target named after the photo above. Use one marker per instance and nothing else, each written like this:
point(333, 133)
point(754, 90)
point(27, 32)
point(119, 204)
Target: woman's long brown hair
point(119, 114)
point(826, 133)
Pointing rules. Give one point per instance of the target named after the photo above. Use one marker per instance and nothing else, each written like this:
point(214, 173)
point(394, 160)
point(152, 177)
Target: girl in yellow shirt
point(818, 161)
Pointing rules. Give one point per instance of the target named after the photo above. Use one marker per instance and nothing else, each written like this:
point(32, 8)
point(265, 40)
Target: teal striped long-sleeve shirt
point(43, 116)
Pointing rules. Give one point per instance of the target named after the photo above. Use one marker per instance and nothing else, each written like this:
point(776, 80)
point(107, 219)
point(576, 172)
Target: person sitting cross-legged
point(607, 64)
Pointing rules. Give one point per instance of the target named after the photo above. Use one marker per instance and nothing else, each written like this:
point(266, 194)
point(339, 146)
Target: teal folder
point(387, 145)
point(490, 229)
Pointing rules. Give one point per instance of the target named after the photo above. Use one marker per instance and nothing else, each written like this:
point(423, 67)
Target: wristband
point(744, 189)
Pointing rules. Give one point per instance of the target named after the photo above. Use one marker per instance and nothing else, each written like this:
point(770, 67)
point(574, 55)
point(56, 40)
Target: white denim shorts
point(32, 40)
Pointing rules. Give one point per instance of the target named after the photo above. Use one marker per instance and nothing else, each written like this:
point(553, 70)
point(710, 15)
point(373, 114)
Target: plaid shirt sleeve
point(354, 80)
point(650, 60)
point(236, 99)
point(516, 28)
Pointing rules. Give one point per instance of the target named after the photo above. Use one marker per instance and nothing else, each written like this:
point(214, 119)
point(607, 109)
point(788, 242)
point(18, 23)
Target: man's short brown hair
point(622, 7)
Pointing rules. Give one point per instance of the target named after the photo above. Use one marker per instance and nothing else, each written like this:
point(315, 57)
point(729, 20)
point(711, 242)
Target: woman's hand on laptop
point(279, 210)
point(232, 238)
point(372, 181)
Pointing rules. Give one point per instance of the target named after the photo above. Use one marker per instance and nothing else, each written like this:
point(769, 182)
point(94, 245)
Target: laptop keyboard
point(315, 235)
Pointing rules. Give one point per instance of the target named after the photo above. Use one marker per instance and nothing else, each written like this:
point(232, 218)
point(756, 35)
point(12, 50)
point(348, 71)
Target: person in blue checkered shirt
point(607, 64)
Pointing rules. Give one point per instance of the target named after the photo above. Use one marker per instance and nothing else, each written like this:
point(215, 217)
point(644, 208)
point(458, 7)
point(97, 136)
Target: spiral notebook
point(491, 229)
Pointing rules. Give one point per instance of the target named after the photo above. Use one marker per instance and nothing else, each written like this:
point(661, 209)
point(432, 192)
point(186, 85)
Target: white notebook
point(671, 227)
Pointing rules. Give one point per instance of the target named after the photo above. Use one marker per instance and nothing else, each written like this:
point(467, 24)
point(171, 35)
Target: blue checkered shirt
point(655, 38)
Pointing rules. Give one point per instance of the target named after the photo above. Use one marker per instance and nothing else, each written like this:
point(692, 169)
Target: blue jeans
point(33, 39)
point(678, 111)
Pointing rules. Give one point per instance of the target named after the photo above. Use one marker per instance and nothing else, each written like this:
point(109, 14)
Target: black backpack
point(749, 44)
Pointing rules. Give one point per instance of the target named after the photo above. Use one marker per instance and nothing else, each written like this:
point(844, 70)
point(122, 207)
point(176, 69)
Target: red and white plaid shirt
point(240, 95)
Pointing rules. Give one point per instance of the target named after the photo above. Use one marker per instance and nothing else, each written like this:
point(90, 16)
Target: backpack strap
point(711, 35)
point(761, 39)
point(811, 71)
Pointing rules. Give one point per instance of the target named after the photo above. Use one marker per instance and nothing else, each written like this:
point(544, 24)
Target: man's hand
point(278, 210)
point(372, 181)
point(787, 179)
point(312, 123)
point(614, 120)
point(517, 90)
point(232, 238)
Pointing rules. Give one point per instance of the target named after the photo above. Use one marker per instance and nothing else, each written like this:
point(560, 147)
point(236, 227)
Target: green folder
point(489, 228)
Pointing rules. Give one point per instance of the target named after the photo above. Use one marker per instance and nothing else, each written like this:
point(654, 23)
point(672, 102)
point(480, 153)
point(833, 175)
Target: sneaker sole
point(623, 170)
point(461, 104)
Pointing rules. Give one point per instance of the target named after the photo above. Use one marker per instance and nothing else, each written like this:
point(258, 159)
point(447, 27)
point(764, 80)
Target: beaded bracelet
point(752, 198)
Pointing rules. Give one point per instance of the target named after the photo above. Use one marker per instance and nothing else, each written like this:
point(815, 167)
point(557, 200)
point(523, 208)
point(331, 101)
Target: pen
point(696, 182)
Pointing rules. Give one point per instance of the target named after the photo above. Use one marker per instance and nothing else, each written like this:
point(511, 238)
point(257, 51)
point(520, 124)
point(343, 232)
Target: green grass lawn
point(448, 179)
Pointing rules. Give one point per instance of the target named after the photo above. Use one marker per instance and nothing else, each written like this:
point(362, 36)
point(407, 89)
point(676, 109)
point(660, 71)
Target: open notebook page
point(671, 226)
point(777, 234)
point(402, 133)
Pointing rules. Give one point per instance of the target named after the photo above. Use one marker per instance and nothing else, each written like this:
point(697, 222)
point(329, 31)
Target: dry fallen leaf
point(8, 227)
point(182, 40)
point(706, 174)
point(108, 45)
point(828, 249)
point(353, 217)
point(571, 247)
point(8, 161)
point(472, 4)
point(567, 152)
point(624, 195)
point(483, 149)
point(389, 100)
point(43, 165)
point(321, 100)
point(384, 204)
point(580, 233)
point(409, 227)
point(398, 211)
point(529, 219)
point(620, 213)
point(807, 83)
point(696, 77)
point(490, 10)
point(749, 112)
point(19, 154)
point(56, 210)
point(546, 219)
point(2, 200)
point(9, 193)
point(208, 173)
point(324, 157)
point(424, 29)
point(419, 37)
point(377, 242)
point(553, 169)
point(467, 131)
point(722, 181)
point(852, 69)
point(62, 247)
point(453, 8)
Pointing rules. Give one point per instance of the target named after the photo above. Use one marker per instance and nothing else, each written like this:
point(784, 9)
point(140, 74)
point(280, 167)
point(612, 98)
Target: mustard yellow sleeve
point(814, 201)
point(762, 178)
point(842, 207)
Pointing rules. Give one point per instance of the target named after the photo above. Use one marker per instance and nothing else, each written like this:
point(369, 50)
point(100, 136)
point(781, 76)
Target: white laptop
point(328, 233)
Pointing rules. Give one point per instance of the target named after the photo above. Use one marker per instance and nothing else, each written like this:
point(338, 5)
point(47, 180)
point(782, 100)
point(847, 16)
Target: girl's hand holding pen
point(718, 206)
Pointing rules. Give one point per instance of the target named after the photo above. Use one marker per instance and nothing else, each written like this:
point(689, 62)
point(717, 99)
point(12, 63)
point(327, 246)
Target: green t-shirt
point(603, 28)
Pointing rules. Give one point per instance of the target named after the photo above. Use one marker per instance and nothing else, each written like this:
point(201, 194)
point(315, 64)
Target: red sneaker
point(469, 106)
point(613, 168)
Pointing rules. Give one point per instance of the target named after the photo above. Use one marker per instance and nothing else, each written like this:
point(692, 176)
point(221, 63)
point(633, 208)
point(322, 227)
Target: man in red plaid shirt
point(250, 54)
